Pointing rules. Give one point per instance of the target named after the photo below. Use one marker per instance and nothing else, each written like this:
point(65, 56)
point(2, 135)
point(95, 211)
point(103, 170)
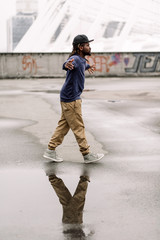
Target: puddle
point(56, 91)
point(6, 123)
point(114, 101)
point(89, 90)
point(44, 91)
point(17, 146)
point(55, 204)
point(11, 92)
point(30, 208)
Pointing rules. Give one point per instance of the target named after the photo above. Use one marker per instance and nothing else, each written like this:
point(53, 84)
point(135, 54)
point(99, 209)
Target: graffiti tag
point(142, 61)
point(29, 63)
point(104, 63)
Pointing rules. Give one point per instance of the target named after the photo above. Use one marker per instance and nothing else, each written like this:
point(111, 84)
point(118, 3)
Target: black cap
point(81, 39)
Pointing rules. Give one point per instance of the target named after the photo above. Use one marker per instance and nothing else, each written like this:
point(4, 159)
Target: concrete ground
point(122, 116)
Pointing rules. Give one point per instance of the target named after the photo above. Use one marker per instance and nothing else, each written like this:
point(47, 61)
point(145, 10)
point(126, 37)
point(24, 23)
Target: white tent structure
point(115, 25)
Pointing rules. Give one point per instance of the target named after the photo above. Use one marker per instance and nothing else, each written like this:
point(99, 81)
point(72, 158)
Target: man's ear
point(80, 47)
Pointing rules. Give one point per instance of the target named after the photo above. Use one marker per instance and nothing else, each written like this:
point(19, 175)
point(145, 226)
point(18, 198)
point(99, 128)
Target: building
point(26, 13)
point(117, 25)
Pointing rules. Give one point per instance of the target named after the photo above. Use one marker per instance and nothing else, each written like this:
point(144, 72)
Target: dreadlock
point(75, 49)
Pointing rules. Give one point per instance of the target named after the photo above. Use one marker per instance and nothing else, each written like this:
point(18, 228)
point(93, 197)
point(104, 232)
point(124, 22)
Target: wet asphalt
point(122, 116)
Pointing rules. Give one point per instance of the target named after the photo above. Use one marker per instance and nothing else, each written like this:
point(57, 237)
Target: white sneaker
point(52, 155)
point(90, 157)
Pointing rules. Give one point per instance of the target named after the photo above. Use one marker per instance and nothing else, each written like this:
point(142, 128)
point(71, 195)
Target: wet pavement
point(117, 198)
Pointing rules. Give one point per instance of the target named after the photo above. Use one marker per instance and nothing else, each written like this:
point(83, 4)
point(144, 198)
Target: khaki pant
point(71, 118)
point(72, 205)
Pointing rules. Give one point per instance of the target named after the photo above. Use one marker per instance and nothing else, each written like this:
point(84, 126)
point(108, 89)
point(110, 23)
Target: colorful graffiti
point(126, 61)
point(145, 63)
point(107, 64)
point(29, 63)
point(142, 62)
point(104, 63)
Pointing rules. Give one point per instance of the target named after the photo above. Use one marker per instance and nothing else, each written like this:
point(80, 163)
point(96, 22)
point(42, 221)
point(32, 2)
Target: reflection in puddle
point(72, 205)
point(74, 232)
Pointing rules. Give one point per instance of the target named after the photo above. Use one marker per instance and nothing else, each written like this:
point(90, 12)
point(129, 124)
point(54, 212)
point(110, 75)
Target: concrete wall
point(36, 65)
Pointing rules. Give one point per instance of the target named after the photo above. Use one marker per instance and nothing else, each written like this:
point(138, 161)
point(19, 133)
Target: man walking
point(71, 102)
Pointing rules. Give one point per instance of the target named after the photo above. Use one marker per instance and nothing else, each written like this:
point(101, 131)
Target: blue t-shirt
point(75, 78)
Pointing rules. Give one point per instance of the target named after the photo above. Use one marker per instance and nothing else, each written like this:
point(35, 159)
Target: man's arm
point(68, 65)
point(91, 69)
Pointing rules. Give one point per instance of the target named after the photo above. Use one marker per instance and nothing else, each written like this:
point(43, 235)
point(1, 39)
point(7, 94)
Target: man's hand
point(69, 64)
point(91, 69)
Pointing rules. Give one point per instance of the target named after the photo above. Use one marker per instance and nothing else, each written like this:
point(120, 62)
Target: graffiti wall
point(126, 64)
point(36, 65)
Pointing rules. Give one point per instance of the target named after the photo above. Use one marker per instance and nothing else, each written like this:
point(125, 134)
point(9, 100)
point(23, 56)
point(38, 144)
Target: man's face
point(86, 50)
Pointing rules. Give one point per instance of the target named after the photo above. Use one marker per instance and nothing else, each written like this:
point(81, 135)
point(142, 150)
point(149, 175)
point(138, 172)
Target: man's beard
point(87, 53)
